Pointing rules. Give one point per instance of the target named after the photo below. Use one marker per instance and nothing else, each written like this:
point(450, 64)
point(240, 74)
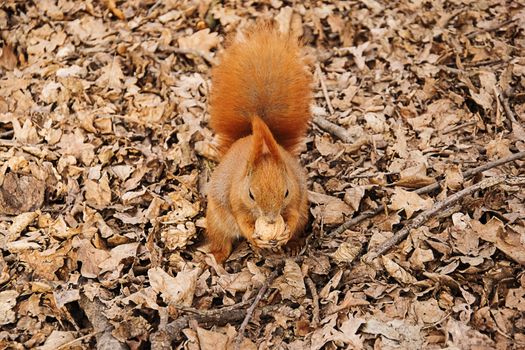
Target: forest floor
point(105, 151)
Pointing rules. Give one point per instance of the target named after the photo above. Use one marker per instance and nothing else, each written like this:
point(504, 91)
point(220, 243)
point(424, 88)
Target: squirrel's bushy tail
point(263, 76)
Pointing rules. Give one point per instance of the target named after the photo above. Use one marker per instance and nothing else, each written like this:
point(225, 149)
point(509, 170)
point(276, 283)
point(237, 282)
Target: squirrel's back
point(263, 76)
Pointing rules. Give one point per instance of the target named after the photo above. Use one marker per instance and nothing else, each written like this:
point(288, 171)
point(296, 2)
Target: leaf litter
point(105, 153)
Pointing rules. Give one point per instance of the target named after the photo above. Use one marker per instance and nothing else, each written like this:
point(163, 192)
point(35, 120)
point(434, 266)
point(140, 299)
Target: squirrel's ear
point(263, 141)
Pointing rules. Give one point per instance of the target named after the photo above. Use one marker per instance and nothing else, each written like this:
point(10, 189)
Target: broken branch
point(251, 309)
point(323, 87)
point(427, 189)
point(315, 301)
point(427, 214)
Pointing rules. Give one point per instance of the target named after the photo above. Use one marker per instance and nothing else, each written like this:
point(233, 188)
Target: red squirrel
point(260, 109)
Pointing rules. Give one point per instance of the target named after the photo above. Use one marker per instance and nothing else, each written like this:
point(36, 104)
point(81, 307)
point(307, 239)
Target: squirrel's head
point(269, 187)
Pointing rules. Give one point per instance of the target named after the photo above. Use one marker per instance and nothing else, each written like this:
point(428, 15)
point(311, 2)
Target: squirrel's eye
point(286, 193)
point(251, 195)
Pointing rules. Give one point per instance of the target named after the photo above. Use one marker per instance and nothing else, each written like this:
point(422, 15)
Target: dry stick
point(315, 300)
point(7, 133)
point(491, 29)
point(429, 188)
point(342, 134)
point(506, 106)
point(212, 312)
point(460, 126)
point(68, 344)
point(207, 57)
point(323, 87)
point(334, 129)
point(367, 176)
point(427, 214)
point(493, 164)
point(251, 309)
point(173, 329)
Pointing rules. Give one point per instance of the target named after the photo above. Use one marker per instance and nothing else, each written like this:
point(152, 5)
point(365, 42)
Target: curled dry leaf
point(453, 177)
point(178, 236)
point(90, 257)
point(347, 252)
point(330, 210)
point(291, 283)
point(19, 224)
point(421, 256)
point(498, 148)
point(117, 254)
point(415, 177)
point(353, 196)
point(396, 271)
point(177, 290)
point(463, 336)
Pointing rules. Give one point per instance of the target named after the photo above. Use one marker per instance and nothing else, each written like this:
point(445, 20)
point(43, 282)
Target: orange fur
point(263, 76)
point(260, 111)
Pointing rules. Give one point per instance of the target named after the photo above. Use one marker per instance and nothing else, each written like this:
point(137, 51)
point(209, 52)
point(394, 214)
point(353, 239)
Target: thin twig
point(342, 134)
point(367, 176)
point(474, 171)
point(496, 61)
point(457, 71)
point(427, 214)
point(206, 56)
point(212, 312)
point(460, 126)
point(506, 106)
point(334, 129)
point(68, 344)
point(8, 133)
point(491, 29)
point(251, 309)
point(323, 87)
point(173, 330)
point(427, 189)
point(447, 315)
point(315, 300)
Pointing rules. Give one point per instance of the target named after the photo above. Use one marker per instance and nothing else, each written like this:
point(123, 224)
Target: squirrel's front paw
point(295, 245)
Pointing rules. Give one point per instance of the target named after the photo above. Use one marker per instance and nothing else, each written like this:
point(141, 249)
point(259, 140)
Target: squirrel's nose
point(273, 241)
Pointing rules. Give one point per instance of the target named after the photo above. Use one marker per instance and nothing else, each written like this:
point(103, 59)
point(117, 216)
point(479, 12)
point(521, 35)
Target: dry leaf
point(20, 223)
point(8, 58)
point(291, 284)
point(410, 202)
point(209, 340)
point(347, 252)
point(98, 194)
point(177, 290)
point(7, 303)
point(331, 210)
point(202, 40)
point(21, 193)
point(397, 271)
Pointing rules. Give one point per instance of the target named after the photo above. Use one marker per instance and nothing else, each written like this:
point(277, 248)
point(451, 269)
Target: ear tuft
point(263, 141)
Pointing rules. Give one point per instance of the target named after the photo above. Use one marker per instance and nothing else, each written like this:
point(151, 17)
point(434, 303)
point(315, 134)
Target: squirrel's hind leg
point(218, 234)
